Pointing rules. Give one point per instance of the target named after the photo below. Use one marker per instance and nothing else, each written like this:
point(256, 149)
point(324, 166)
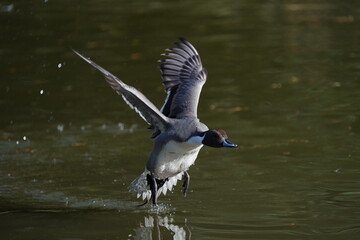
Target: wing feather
point(183, 77)
point(135, 99)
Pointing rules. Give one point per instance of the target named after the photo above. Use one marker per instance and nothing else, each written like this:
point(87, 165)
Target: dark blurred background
point(284, 82)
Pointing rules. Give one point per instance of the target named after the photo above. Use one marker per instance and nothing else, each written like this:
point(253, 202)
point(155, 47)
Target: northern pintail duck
point(178, 134)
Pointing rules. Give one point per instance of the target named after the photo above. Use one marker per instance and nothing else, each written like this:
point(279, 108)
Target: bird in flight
point(178, 134)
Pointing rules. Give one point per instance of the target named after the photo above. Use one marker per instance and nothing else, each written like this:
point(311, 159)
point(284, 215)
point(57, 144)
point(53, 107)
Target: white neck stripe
point(196, 139)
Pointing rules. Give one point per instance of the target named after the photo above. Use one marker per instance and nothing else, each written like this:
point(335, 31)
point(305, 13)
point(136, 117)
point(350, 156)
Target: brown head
point(217, 138)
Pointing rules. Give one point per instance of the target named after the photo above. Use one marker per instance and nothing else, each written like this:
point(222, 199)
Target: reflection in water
point(158, 226)
point(291, 67)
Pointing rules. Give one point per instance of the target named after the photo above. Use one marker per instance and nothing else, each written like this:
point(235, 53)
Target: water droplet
point(60, 127)
point(121, 126)
point(17, 142)
point(59, 65)
point(24, 138)
point(41, 92)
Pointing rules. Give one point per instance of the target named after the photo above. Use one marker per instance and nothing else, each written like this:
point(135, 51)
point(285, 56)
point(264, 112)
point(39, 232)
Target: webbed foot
point(143, 204)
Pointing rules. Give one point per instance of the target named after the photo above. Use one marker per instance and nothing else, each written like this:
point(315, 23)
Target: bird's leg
point(153, 188)
point(186, 182)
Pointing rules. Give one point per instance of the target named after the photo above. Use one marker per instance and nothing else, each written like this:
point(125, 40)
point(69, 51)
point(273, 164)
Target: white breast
point(177, 157)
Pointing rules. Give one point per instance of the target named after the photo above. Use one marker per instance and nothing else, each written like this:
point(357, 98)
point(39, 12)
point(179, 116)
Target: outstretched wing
point(183, 77)
point(135, 99)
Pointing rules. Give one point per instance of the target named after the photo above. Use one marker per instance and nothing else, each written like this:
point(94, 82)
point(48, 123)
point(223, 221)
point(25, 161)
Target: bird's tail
point(141, 187)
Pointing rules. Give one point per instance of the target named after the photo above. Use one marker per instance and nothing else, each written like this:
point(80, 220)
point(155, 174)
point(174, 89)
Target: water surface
point(284, 82)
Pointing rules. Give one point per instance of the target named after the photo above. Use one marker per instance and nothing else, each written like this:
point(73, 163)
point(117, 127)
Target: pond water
point(284, 82)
